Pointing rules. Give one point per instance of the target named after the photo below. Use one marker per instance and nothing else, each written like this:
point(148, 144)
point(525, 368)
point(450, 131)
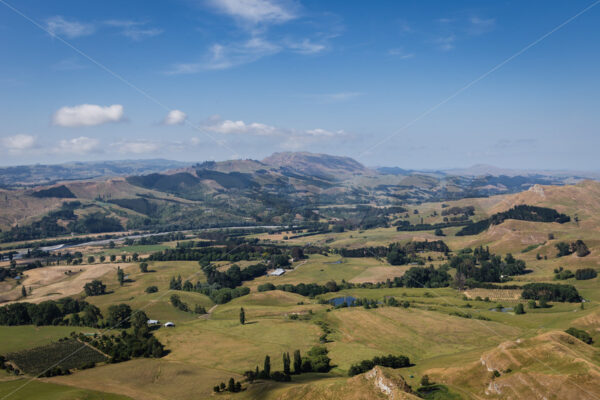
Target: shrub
point(94, 288)
point(580, 334)
point(265, 287)
point(151, 289)
point(585, 273)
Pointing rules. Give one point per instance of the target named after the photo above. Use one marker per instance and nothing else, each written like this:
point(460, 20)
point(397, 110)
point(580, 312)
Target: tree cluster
point(389, 361)
point(551, 292)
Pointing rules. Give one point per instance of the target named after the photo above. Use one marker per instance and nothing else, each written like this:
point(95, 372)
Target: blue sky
point(379, 81)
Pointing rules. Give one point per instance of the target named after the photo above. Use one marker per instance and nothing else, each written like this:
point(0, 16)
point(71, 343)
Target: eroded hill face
point(553, 365)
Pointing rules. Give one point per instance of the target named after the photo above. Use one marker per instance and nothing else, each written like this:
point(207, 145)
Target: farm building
point(277, 272)
point(169, 325)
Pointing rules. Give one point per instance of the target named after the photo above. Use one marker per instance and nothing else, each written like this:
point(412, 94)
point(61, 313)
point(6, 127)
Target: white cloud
point(175, 117)
point(229, 127)
point(307, 47)
point(324, 132)
point(136, 146)
point(71, 29)
point(18, 143)
point(88, 115)
point(257, 11)
point(80, 145)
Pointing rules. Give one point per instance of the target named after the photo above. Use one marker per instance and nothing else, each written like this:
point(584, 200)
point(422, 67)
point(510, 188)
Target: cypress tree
point(242, 316)
point(297, 362)
point(120, 275)
point(267, 367)
point(23, 291)
point(286, 363)
point(231, 385)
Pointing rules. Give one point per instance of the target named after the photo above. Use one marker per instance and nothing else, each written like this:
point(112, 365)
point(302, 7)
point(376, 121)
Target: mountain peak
point(323, 165)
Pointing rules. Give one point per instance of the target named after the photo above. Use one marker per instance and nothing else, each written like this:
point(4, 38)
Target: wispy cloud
point(335, 97)
point(221, 56)
point(136, 146)
point(134, 30)
point(87, 115)
point(446, 43)
point(68, 64)
point(71, 29)
point(18, 143)
point(479, 26)
point(400, 53)
point(79, 145)
point(257, 11)
point(454, 29)
point(306, 46)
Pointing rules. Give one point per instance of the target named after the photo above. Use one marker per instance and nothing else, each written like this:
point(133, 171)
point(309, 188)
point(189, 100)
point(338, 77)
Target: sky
point(415, 84)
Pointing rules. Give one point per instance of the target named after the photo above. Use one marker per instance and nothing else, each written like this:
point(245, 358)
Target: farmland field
point(66, 354)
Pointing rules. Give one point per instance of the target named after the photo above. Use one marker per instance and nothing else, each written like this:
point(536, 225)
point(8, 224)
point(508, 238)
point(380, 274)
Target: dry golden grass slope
point(379, 383)
point(553, 365)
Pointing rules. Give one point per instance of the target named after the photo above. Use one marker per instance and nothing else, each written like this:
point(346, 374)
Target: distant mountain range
point(31, 175)
point(278, 189)
point(311, 164)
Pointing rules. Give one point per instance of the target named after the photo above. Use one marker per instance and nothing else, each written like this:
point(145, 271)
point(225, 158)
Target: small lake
point(504, 309)
point(341, 300)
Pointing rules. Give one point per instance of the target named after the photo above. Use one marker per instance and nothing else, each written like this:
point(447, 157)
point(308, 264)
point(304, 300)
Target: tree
point(144, 267)
point(91, 315)
point(23, 292)
point(267, 368)
point(231, 385)
point(519, 309)
point(119, 315)
point(91, 259)
point(123, 257)
point(120, 276)
point(242, 316)
point(139, 322)
point(439, 232)
point(111, 245)
point(297, 362)
point(286, 363)
point(135, 256)
point(425, 380)
point(113, 258)
point(94, 288)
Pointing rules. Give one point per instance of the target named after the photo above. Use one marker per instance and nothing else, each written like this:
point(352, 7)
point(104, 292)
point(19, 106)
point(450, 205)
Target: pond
point(503, 309)
point(341, 300)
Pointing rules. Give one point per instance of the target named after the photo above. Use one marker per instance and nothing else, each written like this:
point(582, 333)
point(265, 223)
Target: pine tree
point(231, 385)
point(242, 316)
point(297, 362)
